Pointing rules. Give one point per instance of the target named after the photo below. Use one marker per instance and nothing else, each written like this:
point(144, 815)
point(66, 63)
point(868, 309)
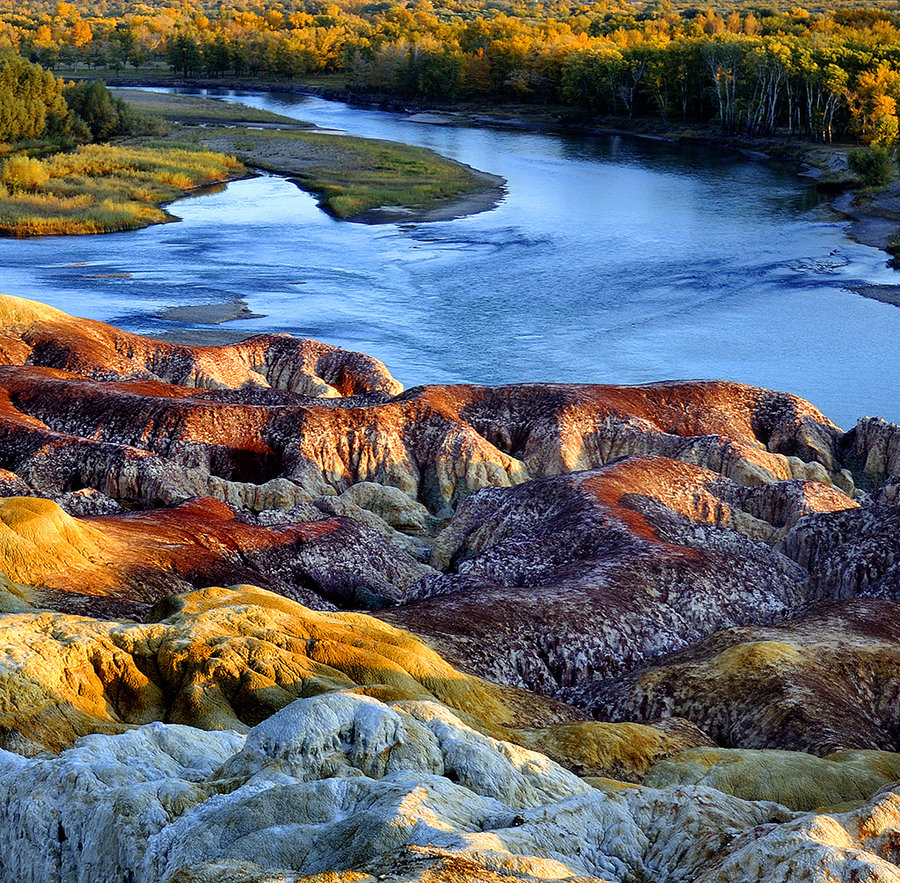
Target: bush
point(873, 165)
point(24, 173)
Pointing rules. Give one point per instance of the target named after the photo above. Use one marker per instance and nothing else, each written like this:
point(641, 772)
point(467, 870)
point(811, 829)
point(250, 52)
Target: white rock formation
point(342, 782)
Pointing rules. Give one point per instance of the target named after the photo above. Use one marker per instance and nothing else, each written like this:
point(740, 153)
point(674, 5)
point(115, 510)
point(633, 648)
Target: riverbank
point(356, 179)
point(103, 188)
point(876, 222)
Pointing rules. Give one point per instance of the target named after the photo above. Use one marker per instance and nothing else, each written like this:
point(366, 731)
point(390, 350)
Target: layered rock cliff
point(614, 633)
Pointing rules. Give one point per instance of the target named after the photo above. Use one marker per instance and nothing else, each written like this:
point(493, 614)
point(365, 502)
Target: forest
point(752, 70)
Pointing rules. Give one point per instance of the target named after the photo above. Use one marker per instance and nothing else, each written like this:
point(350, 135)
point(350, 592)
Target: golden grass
point(102, 188)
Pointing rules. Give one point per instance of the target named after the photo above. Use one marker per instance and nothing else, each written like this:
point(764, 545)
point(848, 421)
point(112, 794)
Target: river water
point(610, 259)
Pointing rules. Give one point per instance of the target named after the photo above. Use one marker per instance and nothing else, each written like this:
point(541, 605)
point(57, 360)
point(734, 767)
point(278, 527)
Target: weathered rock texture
point(873, 445)
point(584, 576)
point(36, 334)
point(850, 553)
point(128, 561)
point(828, 679)
point(228, 658)
point(345, 787)
point(801, 781)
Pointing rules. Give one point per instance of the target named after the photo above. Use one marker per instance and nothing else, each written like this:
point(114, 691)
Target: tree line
point(754, 71)
point(36, 106)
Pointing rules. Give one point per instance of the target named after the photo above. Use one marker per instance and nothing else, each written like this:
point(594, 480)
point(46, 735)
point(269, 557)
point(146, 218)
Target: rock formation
point(228, 658)
point(129, 560)
point(616, 634)
point(345, 787)
point(582, 577)
point(84, 405)
point(850, 553)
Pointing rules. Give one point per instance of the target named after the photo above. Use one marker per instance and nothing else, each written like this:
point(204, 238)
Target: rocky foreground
point(536, 632)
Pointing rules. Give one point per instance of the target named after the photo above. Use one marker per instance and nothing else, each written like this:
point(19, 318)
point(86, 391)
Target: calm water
point(610, 260)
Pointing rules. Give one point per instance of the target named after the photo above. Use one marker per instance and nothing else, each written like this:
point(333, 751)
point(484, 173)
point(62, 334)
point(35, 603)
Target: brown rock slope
point(229, 658)
point(581, 577)
point(84, 405)
point(828, 679)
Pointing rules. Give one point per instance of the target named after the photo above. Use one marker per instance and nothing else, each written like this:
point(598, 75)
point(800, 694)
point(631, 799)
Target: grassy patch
point(191, 108)
point(352, 175)
point(102, 188)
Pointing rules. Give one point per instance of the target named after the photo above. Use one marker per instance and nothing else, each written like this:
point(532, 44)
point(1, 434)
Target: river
point(611, 259)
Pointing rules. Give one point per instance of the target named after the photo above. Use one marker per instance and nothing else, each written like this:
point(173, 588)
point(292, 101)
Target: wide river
point(610, 260)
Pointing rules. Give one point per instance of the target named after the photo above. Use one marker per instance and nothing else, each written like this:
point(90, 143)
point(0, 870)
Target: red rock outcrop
point(149, 443)
point(35, 334)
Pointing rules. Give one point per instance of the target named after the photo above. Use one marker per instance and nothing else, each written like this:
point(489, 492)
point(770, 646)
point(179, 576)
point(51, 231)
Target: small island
point(358, 179)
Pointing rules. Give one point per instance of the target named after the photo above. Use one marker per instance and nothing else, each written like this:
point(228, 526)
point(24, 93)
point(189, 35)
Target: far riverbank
point(875, 221)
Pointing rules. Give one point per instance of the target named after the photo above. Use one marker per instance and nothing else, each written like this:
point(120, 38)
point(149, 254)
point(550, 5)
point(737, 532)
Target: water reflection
point(610, 260)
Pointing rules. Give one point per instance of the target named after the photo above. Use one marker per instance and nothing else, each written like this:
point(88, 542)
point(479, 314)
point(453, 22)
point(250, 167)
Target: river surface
point(610, 259)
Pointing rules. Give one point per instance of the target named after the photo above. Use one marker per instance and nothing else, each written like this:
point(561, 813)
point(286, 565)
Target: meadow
point(103, 188)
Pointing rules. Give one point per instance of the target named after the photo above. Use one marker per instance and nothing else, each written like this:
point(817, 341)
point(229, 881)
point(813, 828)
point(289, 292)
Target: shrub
point(24, 173)
point(873, 165)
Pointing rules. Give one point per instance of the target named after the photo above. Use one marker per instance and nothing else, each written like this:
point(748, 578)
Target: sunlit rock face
point(85, 405)
point(621, 612)
point(345, 787)
point(36, 334)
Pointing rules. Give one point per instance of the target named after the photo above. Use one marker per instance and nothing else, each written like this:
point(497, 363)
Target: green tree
point(31, 100)
point(103, 115)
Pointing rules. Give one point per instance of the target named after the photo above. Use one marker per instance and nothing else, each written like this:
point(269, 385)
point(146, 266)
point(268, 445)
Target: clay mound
point(345, 787)
point(824, 681)
point(580, 577)
point(124, 563)
point(840, 781)
point(40, 335)
point(229, 658)
point(125, 415)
